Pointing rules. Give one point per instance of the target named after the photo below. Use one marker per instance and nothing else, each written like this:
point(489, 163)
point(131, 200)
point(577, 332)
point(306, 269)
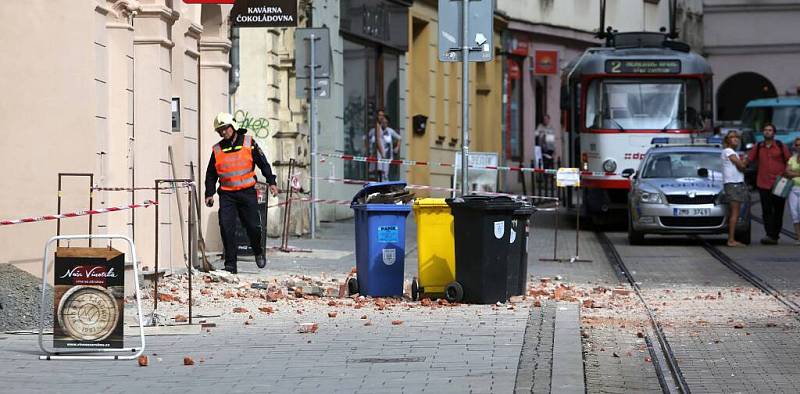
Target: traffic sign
point(479, 30)
point(302, 52)
point(568, 177)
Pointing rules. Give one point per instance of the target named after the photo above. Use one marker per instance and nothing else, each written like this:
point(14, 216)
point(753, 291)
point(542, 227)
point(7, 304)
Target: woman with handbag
point(793, 171)
point(733, 180)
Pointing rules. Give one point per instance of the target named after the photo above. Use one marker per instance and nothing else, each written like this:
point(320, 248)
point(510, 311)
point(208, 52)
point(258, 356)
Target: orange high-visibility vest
point(235, 165)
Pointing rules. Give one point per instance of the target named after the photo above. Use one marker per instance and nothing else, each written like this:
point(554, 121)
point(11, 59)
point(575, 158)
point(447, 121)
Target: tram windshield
point(644, 104)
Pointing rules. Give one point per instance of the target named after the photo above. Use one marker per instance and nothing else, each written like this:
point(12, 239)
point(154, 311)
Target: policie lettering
point(634, 156)
point(258, 126)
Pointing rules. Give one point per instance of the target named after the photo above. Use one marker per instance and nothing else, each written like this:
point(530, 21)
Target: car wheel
point(634, 237)
point(743, 235)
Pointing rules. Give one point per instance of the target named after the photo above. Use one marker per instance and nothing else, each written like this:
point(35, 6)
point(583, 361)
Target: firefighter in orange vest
point(233, 162)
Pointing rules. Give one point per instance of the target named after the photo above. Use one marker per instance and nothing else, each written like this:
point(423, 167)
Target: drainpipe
point(233, 77)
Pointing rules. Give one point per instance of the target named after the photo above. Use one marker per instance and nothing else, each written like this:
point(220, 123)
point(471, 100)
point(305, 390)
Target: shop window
point(371, 82)
point(514, 143)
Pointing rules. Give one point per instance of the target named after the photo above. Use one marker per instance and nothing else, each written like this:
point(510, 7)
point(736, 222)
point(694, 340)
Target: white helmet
point(225, 119)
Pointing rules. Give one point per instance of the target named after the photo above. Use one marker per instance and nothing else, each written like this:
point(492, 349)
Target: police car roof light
point(686, 141)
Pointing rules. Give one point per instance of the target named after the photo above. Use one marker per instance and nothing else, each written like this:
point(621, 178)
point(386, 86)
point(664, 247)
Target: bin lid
point(377, 187)
point(476, 201)
point(431, 202)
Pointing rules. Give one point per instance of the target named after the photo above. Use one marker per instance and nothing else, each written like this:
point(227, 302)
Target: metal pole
point(555, 241)
point(313, 93)
point(578, 223)
point(91, 205)
point(191, 225)
point(155, 276)
point(465, 100)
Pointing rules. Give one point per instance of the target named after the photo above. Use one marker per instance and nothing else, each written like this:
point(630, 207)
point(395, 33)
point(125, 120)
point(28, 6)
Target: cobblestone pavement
point(453, 349)
point(727, 336)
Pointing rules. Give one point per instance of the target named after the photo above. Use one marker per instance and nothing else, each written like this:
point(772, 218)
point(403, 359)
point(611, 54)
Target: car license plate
point(691, 211)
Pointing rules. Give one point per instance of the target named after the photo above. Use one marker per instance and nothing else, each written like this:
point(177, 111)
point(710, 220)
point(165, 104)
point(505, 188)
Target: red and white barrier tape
point(373, 159)
point(76, 214)
point(130, 189)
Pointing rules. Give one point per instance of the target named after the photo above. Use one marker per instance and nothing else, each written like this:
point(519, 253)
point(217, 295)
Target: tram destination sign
point(632, 66)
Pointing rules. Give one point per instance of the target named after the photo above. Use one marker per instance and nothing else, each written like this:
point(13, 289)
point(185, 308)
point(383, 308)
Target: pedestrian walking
point(793, 171)
point(735, 190)
point(233, 162)
point(770, 156)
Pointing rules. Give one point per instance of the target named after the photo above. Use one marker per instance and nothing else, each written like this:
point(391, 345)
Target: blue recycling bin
point(380, 243)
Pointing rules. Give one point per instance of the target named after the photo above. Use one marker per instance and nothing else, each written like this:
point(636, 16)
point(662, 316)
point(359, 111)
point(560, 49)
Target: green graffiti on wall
point(258, 126)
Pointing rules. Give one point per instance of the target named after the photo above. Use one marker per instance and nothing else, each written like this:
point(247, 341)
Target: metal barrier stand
point(85, 354)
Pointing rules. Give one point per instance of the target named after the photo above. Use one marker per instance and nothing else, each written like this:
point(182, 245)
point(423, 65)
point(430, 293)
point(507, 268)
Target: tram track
point(664, 360)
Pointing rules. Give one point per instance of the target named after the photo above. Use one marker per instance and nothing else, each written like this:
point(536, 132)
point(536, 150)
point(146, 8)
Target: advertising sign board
point(89, 292)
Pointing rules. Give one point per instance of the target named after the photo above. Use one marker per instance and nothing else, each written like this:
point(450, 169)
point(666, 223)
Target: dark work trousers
point(772, 211)
point(240, 203)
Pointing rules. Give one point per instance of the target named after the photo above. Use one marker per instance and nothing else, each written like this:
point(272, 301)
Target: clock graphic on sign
point(88, 313)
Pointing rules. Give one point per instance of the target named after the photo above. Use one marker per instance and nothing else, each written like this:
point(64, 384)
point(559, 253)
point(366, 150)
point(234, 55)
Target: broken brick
point(308, 328)
point(240, 309)
point(166, 297)
point(397, 322)
point(265, 309)
point(181, 319)
point(143, 361)
point(332, 314)
point(620, 292)
point(188, 361)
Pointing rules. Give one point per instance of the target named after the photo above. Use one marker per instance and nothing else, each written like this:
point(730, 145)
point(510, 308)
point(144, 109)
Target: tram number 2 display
point(630, 66)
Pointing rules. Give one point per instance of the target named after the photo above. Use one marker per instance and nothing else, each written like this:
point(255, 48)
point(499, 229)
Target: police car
point(677, 189)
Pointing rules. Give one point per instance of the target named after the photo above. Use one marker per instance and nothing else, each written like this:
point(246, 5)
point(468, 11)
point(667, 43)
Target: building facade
point(120, 84)
point(754, 49)
point(542, 37)
point(434, 89)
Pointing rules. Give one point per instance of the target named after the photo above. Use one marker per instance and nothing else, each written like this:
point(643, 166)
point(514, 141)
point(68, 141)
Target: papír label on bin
point(388, 234)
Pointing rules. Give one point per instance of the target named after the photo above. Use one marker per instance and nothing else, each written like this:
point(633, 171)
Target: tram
point(616, 98)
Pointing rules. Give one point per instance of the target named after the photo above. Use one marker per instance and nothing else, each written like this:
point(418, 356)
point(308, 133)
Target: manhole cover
point(379, 360)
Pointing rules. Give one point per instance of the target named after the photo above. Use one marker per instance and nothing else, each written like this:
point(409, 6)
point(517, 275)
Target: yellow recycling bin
point(435, 247)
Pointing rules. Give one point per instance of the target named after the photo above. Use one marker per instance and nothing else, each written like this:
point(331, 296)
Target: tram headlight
point(609, 165)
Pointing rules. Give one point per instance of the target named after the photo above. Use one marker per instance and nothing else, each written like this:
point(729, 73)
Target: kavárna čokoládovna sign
point(264, 13)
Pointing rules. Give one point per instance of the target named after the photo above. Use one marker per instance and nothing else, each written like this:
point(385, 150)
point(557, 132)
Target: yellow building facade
point(434, 91)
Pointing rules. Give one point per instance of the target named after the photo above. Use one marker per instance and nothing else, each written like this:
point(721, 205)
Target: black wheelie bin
point(482, 230)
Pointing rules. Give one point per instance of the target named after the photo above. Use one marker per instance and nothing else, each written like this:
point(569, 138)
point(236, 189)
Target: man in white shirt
point(388, 146)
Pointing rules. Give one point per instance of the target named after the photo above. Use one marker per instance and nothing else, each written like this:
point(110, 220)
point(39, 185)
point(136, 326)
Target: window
point(682, 165)
point(176, 114)
point(371, 81)
point(514, 110)
point(644, 105)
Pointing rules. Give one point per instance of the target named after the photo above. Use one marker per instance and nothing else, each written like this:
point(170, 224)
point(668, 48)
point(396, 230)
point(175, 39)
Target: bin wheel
point(352, 286)
point(454, 292)
point(414, 290)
